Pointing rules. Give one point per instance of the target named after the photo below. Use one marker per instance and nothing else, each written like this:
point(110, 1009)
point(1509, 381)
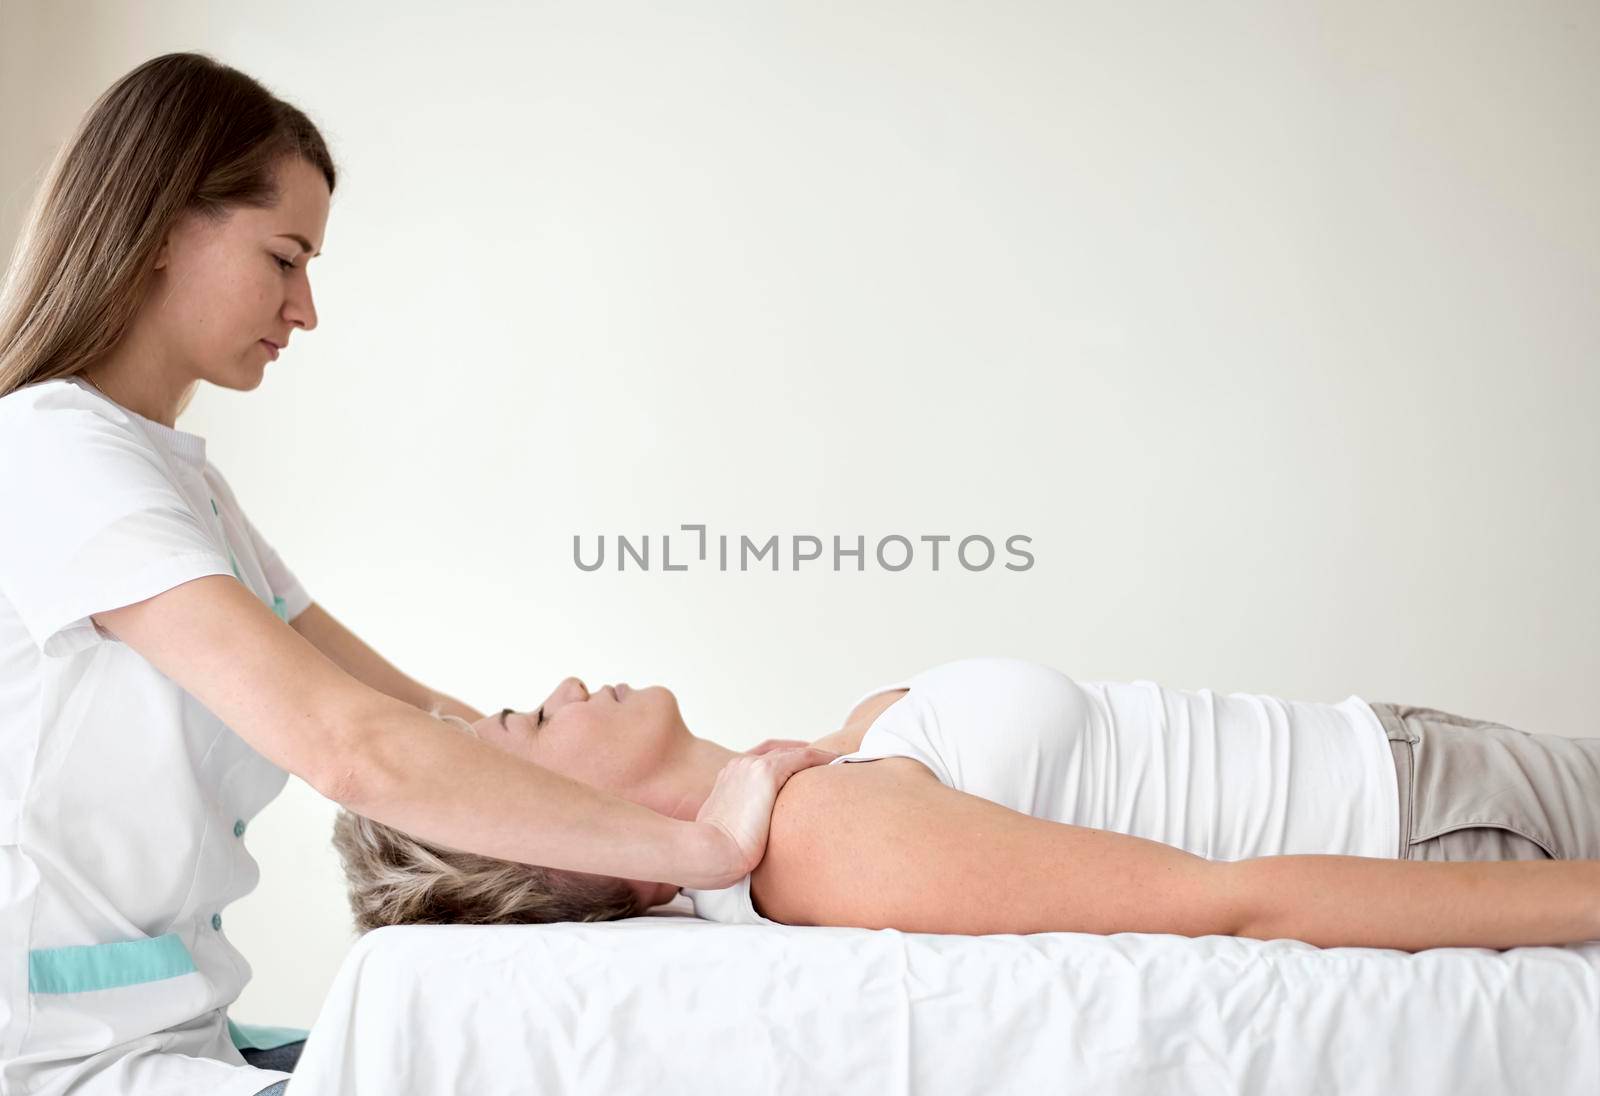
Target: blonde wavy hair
point(397, 879)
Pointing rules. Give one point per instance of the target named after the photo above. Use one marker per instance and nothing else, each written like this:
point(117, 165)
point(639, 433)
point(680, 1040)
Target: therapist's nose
point(570, 690)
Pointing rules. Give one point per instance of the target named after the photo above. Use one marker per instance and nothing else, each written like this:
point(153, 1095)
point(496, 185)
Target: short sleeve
point(729, 906)
point(93, 521)
point(282, 580)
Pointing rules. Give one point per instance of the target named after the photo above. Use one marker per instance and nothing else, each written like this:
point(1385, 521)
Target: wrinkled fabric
point(668, 1003)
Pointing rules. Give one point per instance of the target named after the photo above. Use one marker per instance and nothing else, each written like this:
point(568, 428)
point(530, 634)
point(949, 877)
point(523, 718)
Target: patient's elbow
point(1233, 910)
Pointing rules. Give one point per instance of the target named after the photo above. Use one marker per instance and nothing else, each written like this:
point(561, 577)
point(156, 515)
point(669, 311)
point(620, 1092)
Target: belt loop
point(1393, 726)
point(1406, 774)
point(1403, 747)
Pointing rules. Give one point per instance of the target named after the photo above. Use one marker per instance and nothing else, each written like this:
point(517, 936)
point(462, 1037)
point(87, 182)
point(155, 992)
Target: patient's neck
point(679, 787)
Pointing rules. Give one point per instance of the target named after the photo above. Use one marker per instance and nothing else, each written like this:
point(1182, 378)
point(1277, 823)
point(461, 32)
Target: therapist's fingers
point(739, 809)
point(777, 744)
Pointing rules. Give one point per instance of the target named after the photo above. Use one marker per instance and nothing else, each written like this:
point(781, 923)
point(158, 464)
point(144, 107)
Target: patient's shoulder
point(816, 813)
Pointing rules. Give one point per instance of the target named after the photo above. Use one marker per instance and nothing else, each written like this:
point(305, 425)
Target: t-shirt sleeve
point(282, 580)
point(92, 522)
point(729, 906)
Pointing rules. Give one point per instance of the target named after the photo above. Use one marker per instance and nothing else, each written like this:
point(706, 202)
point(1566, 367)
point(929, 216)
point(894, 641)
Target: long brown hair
point(180, 133)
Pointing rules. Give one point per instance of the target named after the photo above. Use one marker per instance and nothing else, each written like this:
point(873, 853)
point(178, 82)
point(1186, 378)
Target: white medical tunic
point(123, 801)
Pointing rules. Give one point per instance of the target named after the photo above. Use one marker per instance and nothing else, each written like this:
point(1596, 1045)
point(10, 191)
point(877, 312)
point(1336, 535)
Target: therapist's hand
point(739, 808)
point(776, 744)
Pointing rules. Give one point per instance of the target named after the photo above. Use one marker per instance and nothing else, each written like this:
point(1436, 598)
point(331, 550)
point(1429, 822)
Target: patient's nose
point(571, 689)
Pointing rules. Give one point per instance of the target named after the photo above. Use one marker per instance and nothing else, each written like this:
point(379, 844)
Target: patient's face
point(614, 738)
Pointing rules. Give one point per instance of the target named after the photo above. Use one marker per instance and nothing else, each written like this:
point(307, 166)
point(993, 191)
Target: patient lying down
point(995, 795)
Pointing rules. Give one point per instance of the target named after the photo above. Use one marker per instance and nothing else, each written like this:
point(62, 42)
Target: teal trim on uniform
point(86, 967)
point(279, 606)
point(261, 1037)
point(231, 561)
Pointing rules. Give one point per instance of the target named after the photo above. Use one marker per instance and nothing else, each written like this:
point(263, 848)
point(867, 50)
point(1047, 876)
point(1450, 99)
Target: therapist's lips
point(271, 349)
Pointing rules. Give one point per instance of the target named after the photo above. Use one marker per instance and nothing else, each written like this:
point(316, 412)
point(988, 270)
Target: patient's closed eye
point(538, 719)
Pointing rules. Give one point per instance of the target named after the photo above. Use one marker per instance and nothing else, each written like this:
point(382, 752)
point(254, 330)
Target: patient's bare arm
point(1364, 901)
point(885, 845)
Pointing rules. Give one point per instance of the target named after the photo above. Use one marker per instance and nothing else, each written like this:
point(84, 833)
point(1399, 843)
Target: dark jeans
point(280, 1058)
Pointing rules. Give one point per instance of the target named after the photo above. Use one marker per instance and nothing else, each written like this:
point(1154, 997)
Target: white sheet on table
point(667, 1003)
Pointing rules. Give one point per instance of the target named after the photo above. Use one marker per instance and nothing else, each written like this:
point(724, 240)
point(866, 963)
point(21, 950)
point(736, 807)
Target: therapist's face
point(220, 287)
point(613, 738)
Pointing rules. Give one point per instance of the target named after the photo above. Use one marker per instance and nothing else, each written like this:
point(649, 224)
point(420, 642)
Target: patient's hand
point(775, 744)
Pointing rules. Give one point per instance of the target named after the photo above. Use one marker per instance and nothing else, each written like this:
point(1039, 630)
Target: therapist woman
point(161, 669)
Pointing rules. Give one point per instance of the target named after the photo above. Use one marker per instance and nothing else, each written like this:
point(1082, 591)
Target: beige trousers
point(1472, 789)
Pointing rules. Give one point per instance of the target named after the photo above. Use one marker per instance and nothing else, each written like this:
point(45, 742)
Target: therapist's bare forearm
point(406, 769)
point(1360, 901)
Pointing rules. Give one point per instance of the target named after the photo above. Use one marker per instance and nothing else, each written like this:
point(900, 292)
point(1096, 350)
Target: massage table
point(667, 1003)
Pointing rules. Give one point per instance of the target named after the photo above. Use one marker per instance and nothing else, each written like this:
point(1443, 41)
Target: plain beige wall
point(1275, 329)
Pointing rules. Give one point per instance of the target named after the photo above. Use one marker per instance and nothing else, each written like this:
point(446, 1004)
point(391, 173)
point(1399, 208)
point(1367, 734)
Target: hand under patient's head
point(613, 739)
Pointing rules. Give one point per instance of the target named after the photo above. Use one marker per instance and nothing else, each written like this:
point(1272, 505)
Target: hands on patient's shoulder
point(775, 744)
point(738, 812)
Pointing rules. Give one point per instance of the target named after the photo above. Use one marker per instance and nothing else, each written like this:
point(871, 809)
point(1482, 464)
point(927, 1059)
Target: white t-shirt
point(1224, 777)
point(123, 800)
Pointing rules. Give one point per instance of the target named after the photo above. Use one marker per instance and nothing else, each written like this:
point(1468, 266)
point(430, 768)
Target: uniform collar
point(187, 447)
